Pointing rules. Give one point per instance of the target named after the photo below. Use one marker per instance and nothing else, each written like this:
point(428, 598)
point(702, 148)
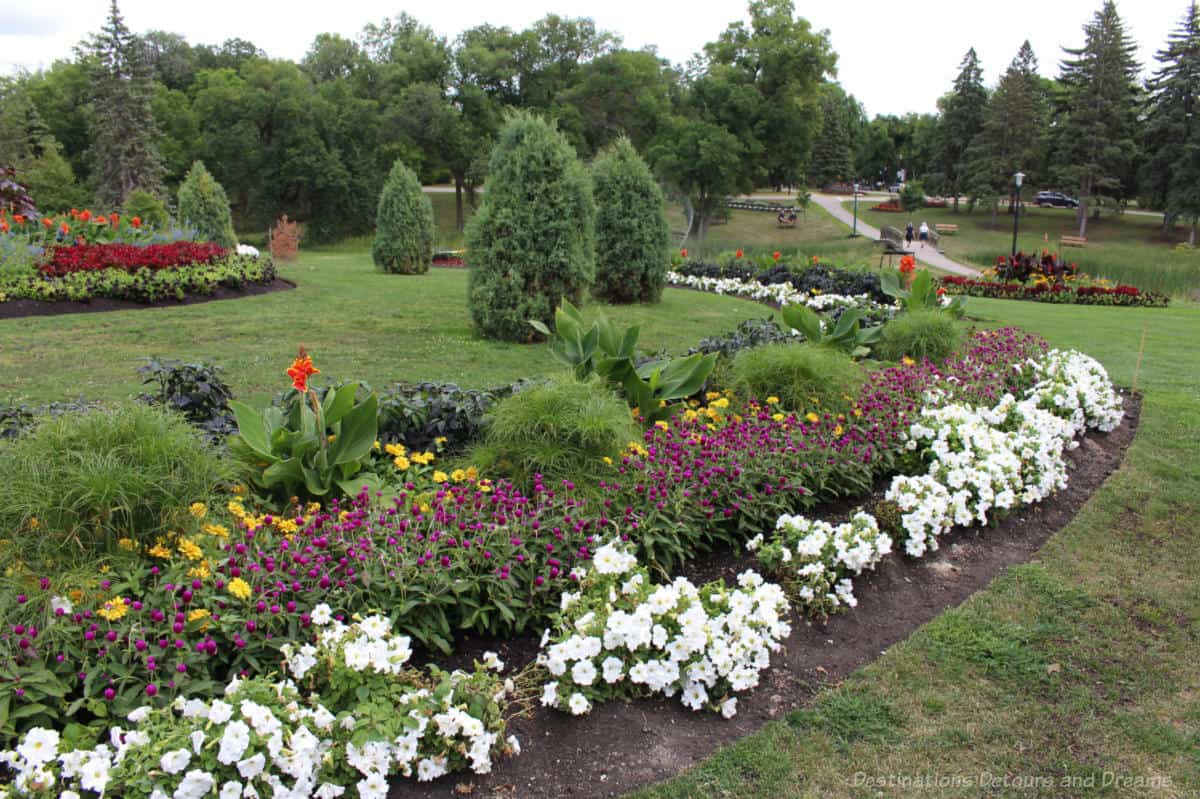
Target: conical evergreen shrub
point(403, 225)
point(631, 227)
point(203, 204)
point(531, 243)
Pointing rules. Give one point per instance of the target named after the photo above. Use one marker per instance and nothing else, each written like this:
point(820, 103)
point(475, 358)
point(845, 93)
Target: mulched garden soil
point(619, 747)
point(15, 309)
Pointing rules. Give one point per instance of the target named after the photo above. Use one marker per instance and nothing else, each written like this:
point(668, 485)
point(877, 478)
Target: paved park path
point(926, 255)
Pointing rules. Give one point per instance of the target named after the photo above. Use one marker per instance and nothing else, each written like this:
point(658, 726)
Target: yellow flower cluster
point(462, 475)
point(401, 463)
point(440, 476)
point(160, 550)
point(113, 609)
point(239, 588)
point(423, 458)
point(396, 450)
point(201, 571)
point(198, 509)
point(198, 613)
point(637, 449)
point(216, 530)
point(286, 526)
point(189, 549)
point(812, 417)
point(127, 544)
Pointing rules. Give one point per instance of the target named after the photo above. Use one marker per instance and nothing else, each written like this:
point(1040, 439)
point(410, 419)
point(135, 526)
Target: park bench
point(893, 244)
point(1072, 241)
point(945, 229)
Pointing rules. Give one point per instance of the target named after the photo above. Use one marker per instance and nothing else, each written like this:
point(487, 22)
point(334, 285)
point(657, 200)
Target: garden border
point(19, 309)
point(620, 747)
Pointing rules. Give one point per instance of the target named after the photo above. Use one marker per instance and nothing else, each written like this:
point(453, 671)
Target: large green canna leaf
point(804, 319)
point(251, 428)
point(360, 428)
point(338, 403)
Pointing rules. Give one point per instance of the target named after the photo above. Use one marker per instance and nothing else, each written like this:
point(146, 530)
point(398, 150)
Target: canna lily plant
point(315, 448)
point(920, 293)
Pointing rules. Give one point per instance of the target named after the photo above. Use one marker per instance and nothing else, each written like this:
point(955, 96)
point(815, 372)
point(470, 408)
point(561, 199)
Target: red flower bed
point(1055, 292)
point(890, 206)
point(130, 257)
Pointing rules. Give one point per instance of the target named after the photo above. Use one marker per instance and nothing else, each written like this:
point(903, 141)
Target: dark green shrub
point(196, 390)
point(203, 205)
point(561, 429)
point(804, 377)
point(631, 228)
point(74, 485)
point(912, 196)
point(403, 225)
point(148, 207)
point(530, 245)
point(920, 334)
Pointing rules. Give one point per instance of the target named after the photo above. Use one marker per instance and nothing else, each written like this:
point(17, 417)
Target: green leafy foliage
point(920, 334)
point(76, 484)
point(403, 225)
point(196, 390)
point(847, 334)
point(148, 207)
point(921, 294)
point(203, 204)
point(631, 228)
point(803, 376)
point(531, 244)
point(560, 429)
point(912, 196)
point(313, 450)
point(650, 386)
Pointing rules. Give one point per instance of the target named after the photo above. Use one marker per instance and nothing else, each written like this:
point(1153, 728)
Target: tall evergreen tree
point(1171, 174)
point(1098, 146)
point(831, 160)
point(962, 118)
point(123, 153)
point(1012, 137)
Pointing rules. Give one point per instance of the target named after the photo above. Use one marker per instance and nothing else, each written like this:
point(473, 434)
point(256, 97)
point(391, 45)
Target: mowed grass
point(1128, 248)
point(358, 323)
point(1073, 675)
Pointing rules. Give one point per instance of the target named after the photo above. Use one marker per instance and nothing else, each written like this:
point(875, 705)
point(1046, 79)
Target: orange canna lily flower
point(738, 254)
point(19, 219)
point(777, 255)
point(3, 225)
point(136, 221)
point(683, 253)
point(114, 218)
point(85, 214)
point(64, 228)
point(99, 220)
point(47, 222)
point(301, 369)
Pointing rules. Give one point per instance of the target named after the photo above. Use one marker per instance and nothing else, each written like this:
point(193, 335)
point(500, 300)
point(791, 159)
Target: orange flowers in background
point(301, 369)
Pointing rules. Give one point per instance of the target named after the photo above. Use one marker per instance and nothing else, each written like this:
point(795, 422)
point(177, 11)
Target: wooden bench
point(945, 229)
point(1072, 241)
point(893, 244)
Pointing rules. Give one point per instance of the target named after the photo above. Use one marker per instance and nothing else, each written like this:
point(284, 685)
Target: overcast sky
point(894, 56)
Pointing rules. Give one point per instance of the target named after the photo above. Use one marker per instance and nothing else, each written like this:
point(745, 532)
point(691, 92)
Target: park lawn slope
point(1075, 666)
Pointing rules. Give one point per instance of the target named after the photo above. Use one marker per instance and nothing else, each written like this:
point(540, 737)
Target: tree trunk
point(459, 220)
point(1192, 234)
point(1081, 215)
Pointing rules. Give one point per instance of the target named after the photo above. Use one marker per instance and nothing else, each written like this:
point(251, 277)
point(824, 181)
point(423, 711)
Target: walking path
point(926, 255)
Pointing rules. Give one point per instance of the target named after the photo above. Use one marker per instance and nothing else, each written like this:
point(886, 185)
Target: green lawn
point(358, 323)
point(1130, 248)
point(1079, 663)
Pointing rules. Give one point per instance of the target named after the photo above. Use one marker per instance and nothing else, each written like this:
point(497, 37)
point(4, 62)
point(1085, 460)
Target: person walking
point(908, 233)
point(924, 232)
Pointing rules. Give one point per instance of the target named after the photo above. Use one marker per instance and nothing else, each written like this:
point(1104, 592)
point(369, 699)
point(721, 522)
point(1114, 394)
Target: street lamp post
point(1018, 179)
point(854, 231)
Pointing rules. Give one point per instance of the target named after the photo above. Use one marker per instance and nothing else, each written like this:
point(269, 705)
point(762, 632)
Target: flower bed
point(777, 293)
point(75, 258)
point(1045, 291)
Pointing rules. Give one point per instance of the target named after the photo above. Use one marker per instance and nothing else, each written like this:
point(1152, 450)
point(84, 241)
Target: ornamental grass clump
point(804, 377)
point(561, 429)
point(403, 225)
point(531, 243)
point(75, 485)
point(920, 335)
point(631, 227)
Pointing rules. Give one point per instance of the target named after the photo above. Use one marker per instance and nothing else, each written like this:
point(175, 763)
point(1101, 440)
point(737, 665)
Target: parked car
point(1054, 199)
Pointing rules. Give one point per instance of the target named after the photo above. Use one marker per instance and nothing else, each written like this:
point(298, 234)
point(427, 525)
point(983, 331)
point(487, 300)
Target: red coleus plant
point(130, 257)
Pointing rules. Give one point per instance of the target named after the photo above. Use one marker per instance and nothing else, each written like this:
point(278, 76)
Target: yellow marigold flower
point(661, 425)
point(159, 551)
point(239, 588)
point(343, 516)
point(113, 609)
point(198, 613)
point(425, 506)
point(858, 413)
point(396, 450)
point(712, 395)
point(440, 441)
point(812, 417)
point(376, 446)
point(772, 400)
point(472, 472)
point(286, 526)
point(458, 475)
point(312, 507)
point(837, 431)
point(75, 594)
point(779, 417)
point(689, 416)
point(401, 463)
point(423, 458)
point(198, 509)
point(721, 403)
point(127, 544)
point(907, 361)
point(237, 509)
point(218, 530)
point(239, 489)
point(34, 523)
point(189, 550)
point(607, 460)
point(202, 571)
point(105, 569)
point(440, 477)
